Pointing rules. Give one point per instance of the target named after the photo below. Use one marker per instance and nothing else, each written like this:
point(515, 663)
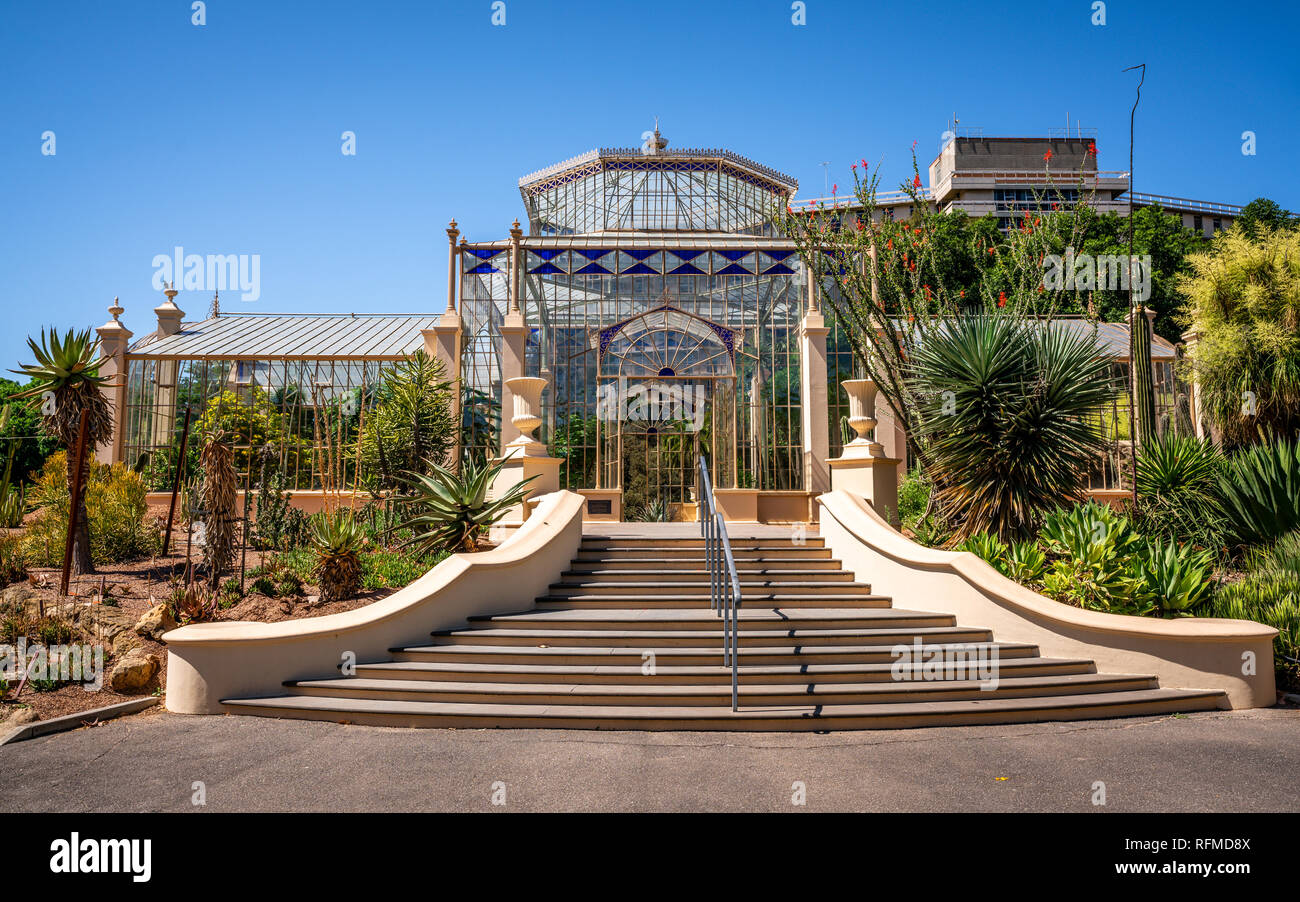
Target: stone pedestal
point(525, 457)
point(864, 468)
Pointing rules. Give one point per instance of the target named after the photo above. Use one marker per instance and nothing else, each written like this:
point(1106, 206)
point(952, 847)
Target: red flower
point(1047, 157)
point(864, 164)
point(789, 209)
point(962, 293)
point(835, 189)
point(1002, 298)
point(993, 250)
point(916, 182)
point(854, 167)
point(1092, 148)
point(891, 247)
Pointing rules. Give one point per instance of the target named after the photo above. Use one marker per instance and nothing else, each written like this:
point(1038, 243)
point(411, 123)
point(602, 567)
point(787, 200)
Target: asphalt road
point(1218, 761)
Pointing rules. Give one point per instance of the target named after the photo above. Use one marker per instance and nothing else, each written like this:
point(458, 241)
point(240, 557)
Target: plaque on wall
point(600, 506)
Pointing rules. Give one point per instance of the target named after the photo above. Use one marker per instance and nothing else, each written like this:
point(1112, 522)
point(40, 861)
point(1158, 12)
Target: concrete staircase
point(626, 640)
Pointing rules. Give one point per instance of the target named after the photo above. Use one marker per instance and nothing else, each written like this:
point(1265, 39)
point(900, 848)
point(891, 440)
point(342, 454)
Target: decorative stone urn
point(526, 417)
point(863, 468)
point(525, 457)
point(862, 418)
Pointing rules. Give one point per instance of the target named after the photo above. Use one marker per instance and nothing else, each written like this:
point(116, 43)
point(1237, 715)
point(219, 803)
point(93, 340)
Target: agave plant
point(1171, 579)
point(65, 381)
point(1261, 491)
point(219, 487)
point(450, 510)
point(1091, 547)
point(338, 539)
point(1007, 416)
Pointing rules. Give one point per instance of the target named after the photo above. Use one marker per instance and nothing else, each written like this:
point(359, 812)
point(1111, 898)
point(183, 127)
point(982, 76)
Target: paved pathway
point(1219, 761)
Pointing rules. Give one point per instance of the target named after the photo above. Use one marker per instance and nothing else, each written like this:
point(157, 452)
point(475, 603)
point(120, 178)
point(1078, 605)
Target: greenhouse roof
point(252, 336)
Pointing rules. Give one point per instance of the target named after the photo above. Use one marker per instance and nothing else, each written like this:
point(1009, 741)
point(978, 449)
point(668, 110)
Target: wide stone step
point(755, 600)
point(690, 674)
point(595, 563)
point(669, 655)
point(683, 638)
point(810, 716)
point(699, 576)
point(749, 588)
point(737, 543)
point(666, 618)
point(783, 552)
point(719, 695)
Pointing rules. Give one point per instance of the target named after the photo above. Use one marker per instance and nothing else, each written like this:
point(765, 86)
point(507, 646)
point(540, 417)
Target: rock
point(124, 642)
point(20, 599)
point(105, 620)
point(156, 621)
point(133, 672)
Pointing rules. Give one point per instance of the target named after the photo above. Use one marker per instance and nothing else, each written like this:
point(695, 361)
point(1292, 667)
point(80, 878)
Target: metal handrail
point(724, 584)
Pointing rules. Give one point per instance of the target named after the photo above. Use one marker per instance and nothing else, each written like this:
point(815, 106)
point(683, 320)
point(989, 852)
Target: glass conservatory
point(663, 313)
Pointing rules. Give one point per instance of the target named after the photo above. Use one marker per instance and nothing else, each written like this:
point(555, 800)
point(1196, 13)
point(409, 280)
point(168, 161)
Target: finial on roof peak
point(116, 310)
point(658, 142)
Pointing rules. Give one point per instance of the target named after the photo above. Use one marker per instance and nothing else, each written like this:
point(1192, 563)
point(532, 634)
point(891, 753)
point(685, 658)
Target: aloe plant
point(1261, 491)
point(450, 510)
point(1172, 579)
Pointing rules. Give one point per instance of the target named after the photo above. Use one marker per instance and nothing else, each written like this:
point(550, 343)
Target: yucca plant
point(338, 539)
point(67, 368)
point(1007, 414)
point(217, 491)
point(450, 510)
point(1260, 488)
point(1178, 493)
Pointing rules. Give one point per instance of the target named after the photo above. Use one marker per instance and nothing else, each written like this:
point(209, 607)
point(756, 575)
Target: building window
point(1218, 224)
point(1198, 223)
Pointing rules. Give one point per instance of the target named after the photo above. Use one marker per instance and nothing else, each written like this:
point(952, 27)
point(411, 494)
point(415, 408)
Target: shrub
point(277, 523)
point(1261, 491)
point(452, 509)
point(195, 604)
point(1091, 547)
point(337, 540)
point(263, 585)
point(1178, 490)
point(393, 570)
point(1171, 579)
point(1007, 415)
point(115, 504)
point(1269, 594)
point(913, 498)
point(13, 560)
point(411, 425)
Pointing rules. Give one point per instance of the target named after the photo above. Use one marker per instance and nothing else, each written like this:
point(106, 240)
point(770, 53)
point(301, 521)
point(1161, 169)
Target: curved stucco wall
point(1184, 653)
point(207, 662)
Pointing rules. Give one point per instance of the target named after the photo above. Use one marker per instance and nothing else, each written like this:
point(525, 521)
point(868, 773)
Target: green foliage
point(656, 510)
point(115, 504)
point(1090, 547)
point(1260, 491)
point(410, 425)
point(253, 422)
point(263, 585)
point(1178, 490)
point(1170, 578)
point(21, 433)
point(1263, 213)
point(913, 497)
point(450, 510)
point(1023, 561)
point(337, 539)
point(1243, 304)
point(277, 524)
point(1270, 594)
point(393, 570)
point(1007, 417)
point(13, 560)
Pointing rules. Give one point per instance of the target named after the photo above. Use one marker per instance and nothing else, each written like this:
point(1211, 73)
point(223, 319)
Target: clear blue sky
point(226, 138)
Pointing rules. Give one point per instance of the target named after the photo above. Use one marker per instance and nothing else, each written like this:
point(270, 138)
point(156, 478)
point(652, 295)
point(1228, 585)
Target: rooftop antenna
point(216, 305)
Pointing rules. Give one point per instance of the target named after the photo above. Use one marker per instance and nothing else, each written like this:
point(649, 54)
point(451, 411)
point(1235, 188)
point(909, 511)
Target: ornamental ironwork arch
point(666, 343)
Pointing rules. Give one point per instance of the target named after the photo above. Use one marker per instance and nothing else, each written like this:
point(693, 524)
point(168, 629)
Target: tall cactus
point(1144, 391)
